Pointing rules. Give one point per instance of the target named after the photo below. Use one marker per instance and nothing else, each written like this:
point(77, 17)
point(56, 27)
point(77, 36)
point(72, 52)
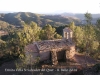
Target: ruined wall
point(47, 51)
point(59, 54)
point(31, 53)
point(44, 55)
point(70, 52)
point(31, 57)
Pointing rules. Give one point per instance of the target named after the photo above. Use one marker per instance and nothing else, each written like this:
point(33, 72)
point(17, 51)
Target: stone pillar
point(54, 57)
point(67, 54)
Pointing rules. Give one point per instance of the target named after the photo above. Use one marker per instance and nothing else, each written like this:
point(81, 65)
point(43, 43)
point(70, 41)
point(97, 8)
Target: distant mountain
point(18, 18)
point(80, 16)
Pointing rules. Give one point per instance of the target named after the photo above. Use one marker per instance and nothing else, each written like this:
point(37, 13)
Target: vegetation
point(12, 45)
point(17, 19)
point(86, 37)
point(48, 33)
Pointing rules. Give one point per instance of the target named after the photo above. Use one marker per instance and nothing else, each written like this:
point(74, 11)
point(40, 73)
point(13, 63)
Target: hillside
point(17, 19)
point(4, 25)
point(81, 17)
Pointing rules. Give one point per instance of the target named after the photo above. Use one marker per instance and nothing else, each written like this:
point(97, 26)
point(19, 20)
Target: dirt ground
point(62, 68)
point(83, 60)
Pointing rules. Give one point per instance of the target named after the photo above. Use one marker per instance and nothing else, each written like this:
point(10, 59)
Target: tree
point(47, 33)
point(18, 39)
point(57, 36)
point(72, 26)
point(78, 36)
point(2, 45)
point(88, 17)
point(98, 34)
point(98, 23)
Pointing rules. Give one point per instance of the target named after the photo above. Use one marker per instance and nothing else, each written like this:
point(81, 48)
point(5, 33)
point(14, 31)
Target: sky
point(51, 6)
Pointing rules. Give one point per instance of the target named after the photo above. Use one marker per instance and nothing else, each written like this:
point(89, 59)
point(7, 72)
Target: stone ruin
point(54, 49)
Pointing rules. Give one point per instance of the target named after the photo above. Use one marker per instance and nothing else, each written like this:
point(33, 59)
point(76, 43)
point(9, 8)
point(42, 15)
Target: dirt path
point(82, 60)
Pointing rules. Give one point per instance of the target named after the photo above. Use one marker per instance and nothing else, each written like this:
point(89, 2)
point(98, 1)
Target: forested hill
point(17, 19)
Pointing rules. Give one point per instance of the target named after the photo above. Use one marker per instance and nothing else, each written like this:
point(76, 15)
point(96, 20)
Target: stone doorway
point(61, 56)
point(58, 56)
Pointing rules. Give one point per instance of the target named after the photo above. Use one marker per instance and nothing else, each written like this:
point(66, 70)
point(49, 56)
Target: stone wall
point(58, 54)
point(44, 55)
point(70, 52)
point(51, 49)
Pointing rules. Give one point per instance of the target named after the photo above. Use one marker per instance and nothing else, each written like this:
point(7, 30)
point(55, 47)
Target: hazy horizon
point(55, 13)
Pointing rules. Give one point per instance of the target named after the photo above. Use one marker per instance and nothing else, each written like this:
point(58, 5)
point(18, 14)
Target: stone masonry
point(43, 49)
